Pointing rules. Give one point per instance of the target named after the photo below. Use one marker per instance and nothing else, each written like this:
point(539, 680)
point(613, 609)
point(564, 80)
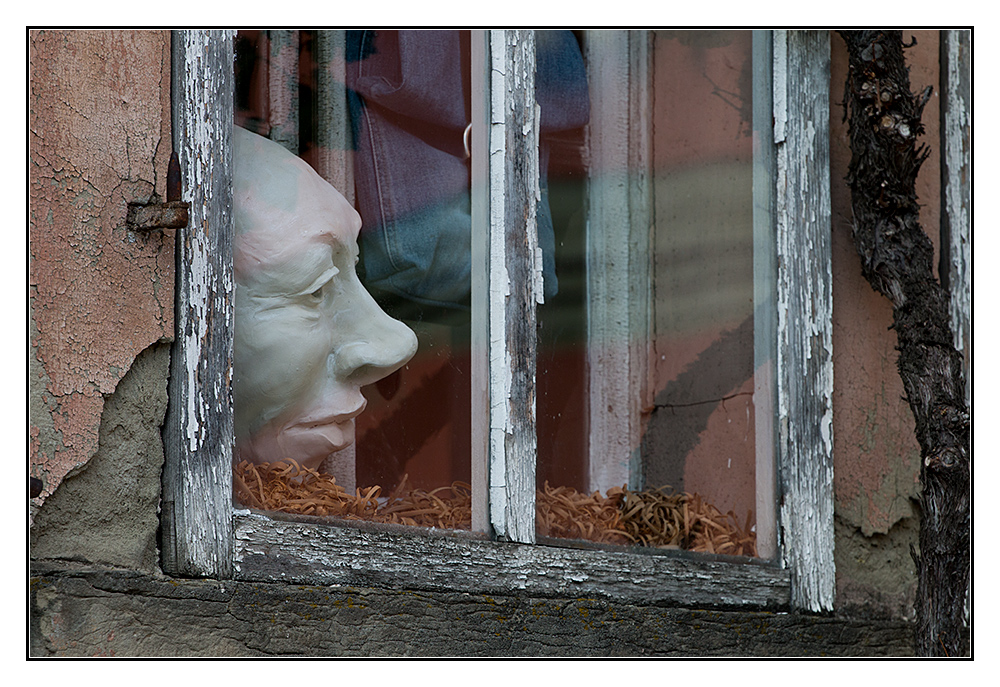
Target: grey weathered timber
point(198, 433)
point(956, 191)
point(515, 276)
point(956, 188)
point(394, 558)
point(619, 226)
point(805, 308)
point(105, 613)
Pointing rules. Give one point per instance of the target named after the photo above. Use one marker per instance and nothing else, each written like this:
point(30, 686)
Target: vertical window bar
point(197, 515)
point(480, 333)
point(515, 283)
point(640, 242)
point(283, 88)
point(333, 124)
point(956, 175)
point(618, 253)
point(765, 318)
point(334, 163)
point(805, 313)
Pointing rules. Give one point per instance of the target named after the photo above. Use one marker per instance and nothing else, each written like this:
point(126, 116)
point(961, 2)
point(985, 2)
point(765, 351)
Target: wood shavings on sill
point(654, 517)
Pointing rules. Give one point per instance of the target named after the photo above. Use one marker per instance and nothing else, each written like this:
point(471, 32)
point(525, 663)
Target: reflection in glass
point(691, 481)
point(400, 101)
point(649, 147)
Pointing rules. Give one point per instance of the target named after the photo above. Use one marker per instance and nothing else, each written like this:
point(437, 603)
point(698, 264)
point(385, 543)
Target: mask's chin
point(307, 446)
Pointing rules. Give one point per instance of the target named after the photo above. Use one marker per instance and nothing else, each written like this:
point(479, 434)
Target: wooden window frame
point(205, 536)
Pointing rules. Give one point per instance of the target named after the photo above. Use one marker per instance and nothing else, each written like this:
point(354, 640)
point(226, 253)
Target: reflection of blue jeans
point(410, 107)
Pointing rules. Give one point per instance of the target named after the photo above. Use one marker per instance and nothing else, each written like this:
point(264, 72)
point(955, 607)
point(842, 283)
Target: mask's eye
point(318, 291)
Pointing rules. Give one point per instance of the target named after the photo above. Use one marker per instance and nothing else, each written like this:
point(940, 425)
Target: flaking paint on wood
point(805, 314)
point(272, 550)
point(198, 436)
point(515, 283)
point(956, 127)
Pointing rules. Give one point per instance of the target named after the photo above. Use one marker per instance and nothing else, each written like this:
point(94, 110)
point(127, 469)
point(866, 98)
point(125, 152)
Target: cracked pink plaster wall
point(99, 137)
point(876, 454)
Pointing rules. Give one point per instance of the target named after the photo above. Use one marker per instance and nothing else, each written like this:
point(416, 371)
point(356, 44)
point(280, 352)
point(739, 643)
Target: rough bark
point(896, 259)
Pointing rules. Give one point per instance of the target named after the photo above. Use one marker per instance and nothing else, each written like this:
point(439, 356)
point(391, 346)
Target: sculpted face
point(308, 335)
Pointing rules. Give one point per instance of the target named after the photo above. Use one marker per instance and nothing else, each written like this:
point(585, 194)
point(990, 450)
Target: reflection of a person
point(411, 104)
point(308, 335)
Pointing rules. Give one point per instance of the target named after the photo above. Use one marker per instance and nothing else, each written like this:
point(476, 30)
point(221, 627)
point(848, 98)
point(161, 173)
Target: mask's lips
point(316, 420)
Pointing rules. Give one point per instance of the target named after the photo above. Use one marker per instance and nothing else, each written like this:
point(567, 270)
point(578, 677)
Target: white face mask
point(308, 335)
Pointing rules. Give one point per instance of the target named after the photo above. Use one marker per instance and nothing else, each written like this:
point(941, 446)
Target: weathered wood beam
point(122, 613)
point(399, 557)
point(515, 279)
point(805, 313)
point(198, 434)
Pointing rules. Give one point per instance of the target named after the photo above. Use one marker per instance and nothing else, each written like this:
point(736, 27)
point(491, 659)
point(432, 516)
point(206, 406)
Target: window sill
point(363, 554)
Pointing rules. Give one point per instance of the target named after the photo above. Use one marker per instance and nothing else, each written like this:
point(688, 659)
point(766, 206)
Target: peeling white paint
point(201, 135)
point(511, 448)
point(537, 279)
point(780, 47)
point(197, 482)
point(499, 291)
point(805, 313)
point(957, 154)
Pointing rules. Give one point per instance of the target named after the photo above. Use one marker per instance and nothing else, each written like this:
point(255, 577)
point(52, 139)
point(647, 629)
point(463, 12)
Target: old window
point(612, 186)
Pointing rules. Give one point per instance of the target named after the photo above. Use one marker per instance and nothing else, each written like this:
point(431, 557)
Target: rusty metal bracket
point(155, 214)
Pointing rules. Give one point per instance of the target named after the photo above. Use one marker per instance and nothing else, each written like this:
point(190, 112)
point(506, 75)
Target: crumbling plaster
point(98, 293)
point(107, 513)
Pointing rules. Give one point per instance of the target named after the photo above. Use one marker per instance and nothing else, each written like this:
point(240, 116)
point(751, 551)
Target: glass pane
point(685, 477)
point(352, 262)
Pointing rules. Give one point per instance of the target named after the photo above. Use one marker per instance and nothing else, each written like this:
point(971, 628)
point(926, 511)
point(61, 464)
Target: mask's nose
point(381, 347)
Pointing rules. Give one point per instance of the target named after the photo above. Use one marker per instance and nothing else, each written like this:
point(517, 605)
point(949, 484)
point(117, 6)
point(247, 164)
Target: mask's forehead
point(266, 181)
point(283, 208)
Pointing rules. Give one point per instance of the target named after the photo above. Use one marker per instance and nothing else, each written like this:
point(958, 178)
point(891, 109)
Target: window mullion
point(197, 506)
point(515, 283)
point(805, 313)
point(283, 88)
point(619, 258)
point(765, 308)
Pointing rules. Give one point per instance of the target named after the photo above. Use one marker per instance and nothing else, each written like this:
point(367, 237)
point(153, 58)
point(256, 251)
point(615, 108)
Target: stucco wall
point(106, 513)
point(99, 294)
point(876, 455)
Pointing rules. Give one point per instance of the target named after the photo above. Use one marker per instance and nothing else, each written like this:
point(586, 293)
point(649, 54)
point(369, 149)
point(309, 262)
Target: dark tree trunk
point(896, 258)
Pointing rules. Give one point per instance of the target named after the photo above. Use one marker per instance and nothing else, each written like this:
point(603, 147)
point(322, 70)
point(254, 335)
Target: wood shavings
point(654, 517)
point(288, 488)
point(566, 513)
point(713, 532)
